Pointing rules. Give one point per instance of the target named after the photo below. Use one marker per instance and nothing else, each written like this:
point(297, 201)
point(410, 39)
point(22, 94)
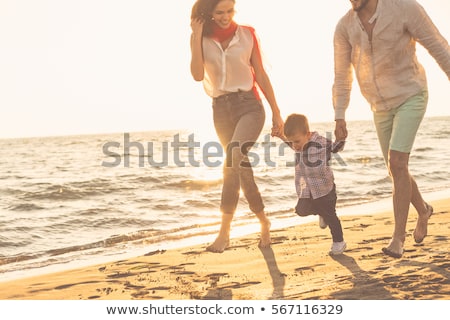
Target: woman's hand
point(277, 126)
point(197, 27)
point(197, 68)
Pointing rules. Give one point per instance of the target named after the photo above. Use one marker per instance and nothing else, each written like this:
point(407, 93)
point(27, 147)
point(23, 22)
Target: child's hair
point(296, 123)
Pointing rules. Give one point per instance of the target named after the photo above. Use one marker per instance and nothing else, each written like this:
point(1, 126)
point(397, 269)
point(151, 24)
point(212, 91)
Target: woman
point(227, 58)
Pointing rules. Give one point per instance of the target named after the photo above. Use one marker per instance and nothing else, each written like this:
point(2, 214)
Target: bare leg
point(424, 211)
point(416, 199)
point(265, 240)
point(223, 238)
point(402, 195)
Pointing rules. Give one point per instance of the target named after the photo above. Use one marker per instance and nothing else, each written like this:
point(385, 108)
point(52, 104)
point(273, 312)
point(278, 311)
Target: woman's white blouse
point(229, 70)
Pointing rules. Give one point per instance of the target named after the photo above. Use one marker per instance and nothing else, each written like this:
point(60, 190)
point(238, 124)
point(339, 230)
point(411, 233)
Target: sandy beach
point(297, 266)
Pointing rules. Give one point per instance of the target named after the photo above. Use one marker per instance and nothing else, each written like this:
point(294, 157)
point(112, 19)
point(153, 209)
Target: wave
point(201, 204)
point(424, 149)
point(73, 190)
point(25, 207)
point(143, 237)
point(196, 185)
point(366, 160)
point(147, 179)
point(147, 237)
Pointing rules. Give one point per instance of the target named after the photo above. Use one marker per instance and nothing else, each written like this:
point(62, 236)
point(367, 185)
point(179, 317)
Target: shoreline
point(297, 266)
point(133, 250)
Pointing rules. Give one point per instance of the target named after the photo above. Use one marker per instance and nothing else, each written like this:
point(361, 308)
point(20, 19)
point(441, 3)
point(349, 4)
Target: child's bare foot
point(422, 225)
point(219, 245)
point(265, 240)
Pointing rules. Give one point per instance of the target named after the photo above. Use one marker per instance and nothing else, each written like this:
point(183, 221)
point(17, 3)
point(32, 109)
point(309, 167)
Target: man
point(377, 38)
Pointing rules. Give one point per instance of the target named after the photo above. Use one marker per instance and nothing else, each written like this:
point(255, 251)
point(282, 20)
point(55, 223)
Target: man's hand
point(341, 130)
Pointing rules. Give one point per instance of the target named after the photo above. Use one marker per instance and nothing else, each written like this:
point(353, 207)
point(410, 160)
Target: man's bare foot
point(265, 240)
point(421, 230)
point(219, 245)
point(395, 248)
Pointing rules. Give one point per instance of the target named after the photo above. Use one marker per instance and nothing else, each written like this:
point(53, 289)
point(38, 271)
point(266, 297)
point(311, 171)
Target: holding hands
point(277, 126)
point(341, 130)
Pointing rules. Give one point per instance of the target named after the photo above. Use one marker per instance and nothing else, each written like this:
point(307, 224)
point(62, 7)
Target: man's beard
point(361, 6)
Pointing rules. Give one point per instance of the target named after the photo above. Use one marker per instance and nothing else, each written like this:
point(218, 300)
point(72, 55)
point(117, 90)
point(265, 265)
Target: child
point(314, 180)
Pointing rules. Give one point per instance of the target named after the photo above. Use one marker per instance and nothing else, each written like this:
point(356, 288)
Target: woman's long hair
point(203, 9)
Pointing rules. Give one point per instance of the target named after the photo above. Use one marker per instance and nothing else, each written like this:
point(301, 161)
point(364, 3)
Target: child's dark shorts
point(323, 206)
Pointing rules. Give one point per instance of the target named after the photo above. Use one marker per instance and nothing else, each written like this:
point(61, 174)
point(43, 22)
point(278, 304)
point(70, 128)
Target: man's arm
point(422, 28)
point(343, 78)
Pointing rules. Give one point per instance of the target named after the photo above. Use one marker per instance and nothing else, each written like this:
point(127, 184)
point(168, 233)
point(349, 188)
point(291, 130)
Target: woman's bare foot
point(421, 230)
point(395, 248)
point(265, 240)
point(223, 239)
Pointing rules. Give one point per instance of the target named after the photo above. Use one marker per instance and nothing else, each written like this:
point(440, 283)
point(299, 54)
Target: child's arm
point(283, 137)
point(337, 146)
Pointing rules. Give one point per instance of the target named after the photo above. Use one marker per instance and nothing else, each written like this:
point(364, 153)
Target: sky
point(70, 67)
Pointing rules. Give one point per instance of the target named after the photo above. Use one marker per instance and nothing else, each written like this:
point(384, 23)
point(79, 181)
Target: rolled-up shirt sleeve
point(343, 71)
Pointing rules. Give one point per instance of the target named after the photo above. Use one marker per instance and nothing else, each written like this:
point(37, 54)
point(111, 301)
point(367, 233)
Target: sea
point(72, 201)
